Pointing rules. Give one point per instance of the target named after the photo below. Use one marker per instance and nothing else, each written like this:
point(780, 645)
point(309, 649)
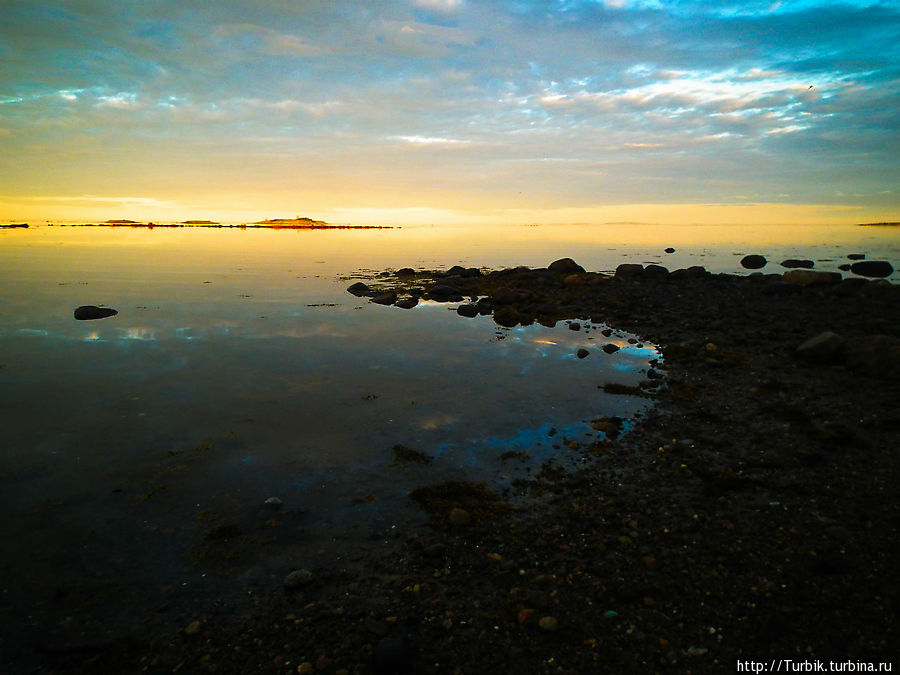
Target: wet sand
point(751, 515)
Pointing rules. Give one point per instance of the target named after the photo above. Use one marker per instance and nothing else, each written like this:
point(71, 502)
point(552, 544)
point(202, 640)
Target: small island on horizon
point(298, 223)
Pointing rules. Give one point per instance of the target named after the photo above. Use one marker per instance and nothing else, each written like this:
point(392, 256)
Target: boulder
point(388, 298)
point(565, 266)
point(359, 289)
point(90, 312)
point(509, 296)
point(811, 278)
point(793, 263)
point(444, 293)
point(610, 348)
point(872, 268)
point(670, 250)
point(629, 271)
point(655, 272)
point(753, 262)
point(407, 303)
point(692, 272)
point(469, 311)
point(823, 348)
point(405, 272)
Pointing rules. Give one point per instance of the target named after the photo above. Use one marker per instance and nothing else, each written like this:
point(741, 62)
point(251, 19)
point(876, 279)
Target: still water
point(239, 369)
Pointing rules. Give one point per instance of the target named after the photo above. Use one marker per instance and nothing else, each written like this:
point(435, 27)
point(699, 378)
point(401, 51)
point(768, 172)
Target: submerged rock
point(753, 262)
point(90, 312)
point(872, 268)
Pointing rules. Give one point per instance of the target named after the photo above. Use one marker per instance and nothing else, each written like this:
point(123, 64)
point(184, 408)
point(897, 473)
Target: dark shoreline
point(751, 515)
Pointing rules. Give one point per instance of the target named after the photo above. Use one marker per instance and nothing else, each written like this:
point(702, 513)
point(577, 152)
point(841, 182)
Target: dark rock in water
point(565, 266)
point(856, 256)
point(484, 306)
point(582, 353)
point(407, 303)
point(610, 348)
point(405, 272)
point(824, 348)
point(444, 293)
point(753, 262)
point(655, 272)
point(872, 268)
point(845, 267)
point(359, 289)
point(469, 311)
point(460, 271)
point(506, 316)
point(574, 325)
point(670, 250)
point(388, 298)
point(90, 312)
point(629, 270)
point(792, 263)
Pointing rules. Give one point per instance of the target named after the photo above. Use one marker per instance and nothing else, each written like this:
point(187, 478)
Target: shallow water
point(239, 368)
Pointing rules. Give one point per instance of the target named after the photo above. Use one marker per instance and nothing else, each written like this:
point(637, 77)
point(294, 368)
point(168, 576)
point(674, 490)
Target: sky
point(432, 111)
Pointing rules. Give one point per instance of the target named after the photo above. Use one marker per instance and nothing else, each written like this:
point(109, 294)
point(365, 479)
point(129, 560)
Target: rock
point(753, 262)
point(407, 303)
point(670, 250)
point(460, 271)
point(469, 311)
point(359, 289)
point(574, 325)
point(823, 348)
point(793, 263)
point(692, 272)
point(506, 316)
point(388, 298)
point(655, 272)
point(90, 312)
point(298, 579)
point(273, 503)
point(845, 267)
point(192, 628)
point(872, 268)
point(459, 517)
point(610, 348)
point(509, 296)
point(856, 256)
point(525, 617)
point(582, 353)
point(548, 623)
point(629, 271)
point(811, 278)
point(611, 426)
point(444, 293)
point(565, 266)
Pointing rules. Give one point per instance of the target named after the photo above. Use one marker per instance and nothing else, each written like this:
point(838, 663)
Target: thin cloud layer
point(487, 107)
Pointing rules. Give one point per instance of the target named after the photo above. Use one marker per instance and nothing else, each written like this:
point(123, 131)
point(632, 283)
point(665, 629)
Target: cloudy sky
point(442, 110)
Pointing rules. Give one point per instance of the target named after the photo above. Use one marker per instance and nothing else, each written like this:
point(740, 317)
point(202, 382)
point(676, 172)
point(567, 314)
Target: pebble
point(305, 667)
point(548, 623)
point(525, 616)
point(192, 628)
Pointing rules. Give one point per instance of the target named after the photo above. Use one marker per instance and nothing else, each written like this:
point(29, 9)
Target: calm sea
point(136, 452)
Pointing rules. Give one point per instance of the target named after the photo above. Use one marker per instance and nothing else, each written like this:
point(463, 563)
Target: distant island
point(297, 223)
point(879, 225)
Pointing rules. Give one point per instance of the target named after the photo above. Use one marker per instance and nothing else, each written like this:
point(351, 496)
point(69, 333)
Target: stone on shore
point(655, 272)
point(298, 579)
point(811, 278)
point(90, 312)
point(407, 303)
point(877, 355)
point(629, 271)
point(753, 262)
point(824, 348)
point(872, 268)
